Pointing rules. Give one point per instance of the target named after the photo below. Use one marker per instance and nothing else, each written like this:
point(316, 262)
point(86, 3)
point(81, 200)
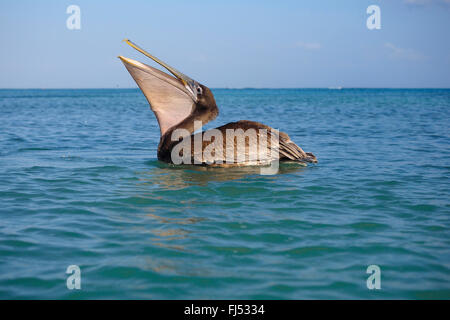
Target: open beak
point(187, 82)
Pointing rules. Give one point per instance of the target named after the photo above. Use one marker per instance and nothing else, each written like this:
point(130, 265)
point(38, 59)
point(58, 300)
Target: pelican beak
point(187, 82)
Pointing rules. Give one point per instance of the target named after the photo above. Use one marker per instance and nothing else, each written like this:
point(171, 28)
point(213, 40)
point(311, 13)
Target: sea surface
point(80, 185)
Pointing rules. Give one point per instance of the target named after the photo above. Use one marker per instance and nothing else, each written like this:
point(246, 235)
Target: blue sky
point(228, 44)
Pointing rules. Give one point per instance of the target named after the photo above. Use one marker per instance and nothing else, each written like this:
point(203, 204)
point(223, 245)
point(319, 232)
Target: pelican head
point(173, 98)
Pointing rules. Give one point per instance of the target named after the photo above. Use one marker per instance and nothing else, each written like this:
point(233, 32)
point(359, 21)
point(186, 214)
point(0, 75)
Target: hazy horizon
point(248, 88)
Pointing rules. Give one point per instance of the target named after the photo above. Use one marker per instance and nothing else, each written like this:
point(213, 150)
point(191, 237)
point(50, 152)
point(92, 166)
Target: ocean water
point(80, 185)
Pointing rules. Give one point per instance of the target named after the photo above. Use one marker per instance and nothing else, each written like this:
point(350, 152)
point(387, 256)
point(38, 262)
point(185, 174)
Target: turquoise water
point(80, 185)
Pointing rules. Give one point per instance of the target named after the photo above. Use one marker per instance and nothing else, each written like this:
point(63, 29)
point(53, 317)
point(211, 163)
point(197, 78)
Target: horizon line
point(225, 88)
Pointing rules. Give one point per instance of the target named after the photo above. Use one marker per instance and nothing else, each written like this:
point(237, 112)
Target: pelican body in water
point(181, 103)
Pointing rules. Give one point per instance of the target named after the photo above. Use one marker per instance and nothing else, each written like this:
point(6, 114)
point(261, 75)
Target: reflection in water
point(175, 220)
point(159, 265)
point(178, 177)
point(172, 232)
point(163, 237)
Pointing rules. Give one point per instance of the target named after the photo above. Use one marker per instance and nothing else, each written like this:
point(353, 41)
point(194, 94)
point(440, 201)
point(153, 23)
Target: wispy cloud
point(402, 53)
point(308, 45)
point(424, 2)
point(417, 1)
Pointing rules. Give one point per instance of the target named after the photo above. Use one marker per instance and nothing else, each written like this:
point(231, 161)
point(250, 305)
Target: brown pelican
point(180, 103)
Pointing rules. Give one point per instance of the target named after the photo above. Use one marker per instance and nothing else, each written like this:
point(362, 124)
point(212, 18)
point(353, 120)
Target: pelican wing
point(237, 143)
point(167, 96)
point(259, 145)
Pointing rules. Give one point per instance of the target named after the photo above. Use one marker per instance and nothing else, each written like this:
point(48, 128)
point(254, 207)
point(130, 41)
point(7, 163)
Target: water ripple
point(80, 184)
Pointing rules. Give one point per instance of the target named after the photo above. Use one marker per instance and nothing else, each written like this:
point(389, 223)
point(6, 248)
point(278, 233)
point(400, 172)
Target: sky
point(228, 44)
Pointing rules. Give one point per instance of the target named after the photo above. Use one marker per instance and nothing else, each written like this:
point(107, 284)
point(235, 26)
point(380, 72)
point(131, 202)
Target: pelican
point(179, 103)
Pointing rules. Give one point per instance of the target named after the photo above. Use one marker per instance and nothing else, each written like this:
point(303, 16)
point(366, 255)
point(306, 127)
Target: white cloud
point(424, 2)
point(417, 1)
point(404, 54)
point(308, 45)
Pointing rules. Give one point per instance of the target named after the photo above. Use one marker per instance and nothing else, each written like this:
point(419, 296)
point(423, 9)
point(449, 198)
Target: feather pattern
point(243, 143)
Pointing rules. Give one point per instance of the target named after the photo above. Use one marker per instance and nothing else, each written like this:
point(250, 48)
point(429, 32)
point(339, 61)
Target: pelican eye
point(199, 90)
